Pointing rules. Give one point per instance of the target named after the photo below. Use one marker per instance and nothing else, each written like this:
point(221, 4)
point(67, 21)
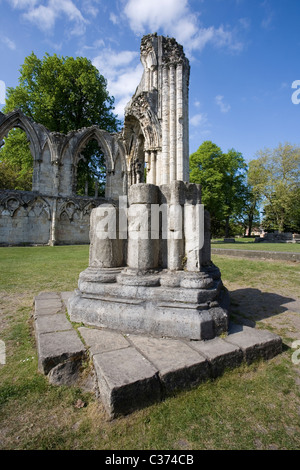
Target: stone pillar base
point(162, 303)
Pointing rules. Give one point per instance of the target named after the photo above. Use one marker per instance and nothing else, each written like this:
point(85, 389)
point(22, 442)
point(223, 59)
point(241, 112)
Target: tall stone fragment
point(155, 276)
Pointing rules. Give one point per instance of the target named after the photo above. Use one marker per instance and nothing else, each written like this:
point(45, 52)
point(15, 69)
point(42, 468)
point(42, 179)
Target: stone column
point(143, 249)
point(55, 167)
point(185, 130)
point(36, 175)
point(158, 167)
point(193, 228)
point(153, 167)
point(108, 185)
point(175, 226)
point(164, 170)
point(172, 118)
point(179, 122)
point(154, 78)
point(52, 240)
point(148, 167)
point(205, 253)
point(106, 247)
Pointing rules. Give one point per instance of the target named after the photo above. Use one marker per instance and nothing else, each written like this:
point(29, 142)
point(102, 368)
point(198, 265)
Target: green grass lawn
point(249, 244)
point(255, 407)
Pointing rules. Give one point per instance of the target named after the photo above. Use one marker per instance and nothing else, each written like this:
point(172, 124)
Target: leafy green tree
point(64, 94)
point(222, 177)
point(16, 163)
point(234, 186)
point(206, 169)
point(275, 177)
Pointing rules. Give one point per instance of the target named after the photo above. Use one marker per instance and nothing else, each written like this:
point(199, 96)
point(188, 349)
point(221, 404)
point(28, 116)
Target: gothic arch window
point(92, 162)
point(16, 161)
point(135, 149)
point(19, 151)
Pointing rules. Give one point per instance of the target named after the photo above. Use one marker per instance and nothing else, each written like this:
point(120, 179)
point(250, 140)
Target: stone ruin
point(52, 213)
point(150, 266)
point(152, 306)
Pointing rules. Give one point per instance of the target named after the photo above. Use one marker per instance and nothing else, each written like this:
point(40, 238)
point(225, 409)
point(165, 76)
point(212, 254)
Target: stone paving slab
point(52, 323)
point(57, 341)
point(48, 295)
point(58, 347)
point(127, 381)
point(220, 354)
point(135, 370)
point(102, 340)
point(48, 305)
point(179, 365)
point(254, 343)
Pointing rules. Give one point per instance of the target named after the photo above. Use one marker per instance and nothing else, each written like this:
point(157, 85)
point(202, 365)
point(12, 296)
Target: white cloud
point(198, 120)
point(44, 16)
point(90, 7)
point(175, 18)
point(8, 42)
point(224, 108)
point(113, 18)
point(123, 72)
point(23, 3)
point(154, 14)
point(269, 15)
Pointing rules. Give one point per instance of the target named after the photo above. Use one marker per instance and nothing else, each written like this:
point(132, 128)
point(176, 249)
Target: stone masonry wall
point(29, 218)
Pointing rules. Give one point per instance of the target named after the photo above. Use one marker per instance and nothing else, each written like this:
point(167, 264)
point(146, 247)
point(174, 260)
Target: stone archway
point(36, 136)
point(142, 136)
point(18, 119)
point(114, 154)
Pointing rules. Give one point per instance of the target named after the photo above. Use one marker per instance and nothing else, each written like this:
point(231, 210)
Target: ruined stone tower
point(150, 269)
point(156, 119)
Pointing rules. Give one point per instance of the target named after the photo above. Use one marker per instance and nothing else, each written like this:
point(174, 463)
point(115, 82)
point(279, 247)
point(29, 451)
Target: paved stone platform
point(133, 371)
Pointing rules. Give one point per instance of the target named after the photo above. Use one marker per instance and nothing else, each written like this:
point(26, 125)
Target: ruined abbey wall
point(52, 213)
point(152, 147)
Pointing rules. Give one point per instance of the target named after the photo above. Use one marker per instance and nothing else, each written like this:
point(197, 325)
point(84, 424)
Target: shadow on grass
point(250, 305)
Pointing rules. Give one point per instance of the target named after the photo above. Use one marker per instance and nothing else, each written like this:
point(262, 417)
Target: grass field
point(249, 244)
point(255, 407)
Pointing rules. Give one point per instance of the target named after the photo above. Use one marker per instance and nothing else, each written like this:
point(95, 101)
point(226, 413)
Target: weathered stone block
point(220, 354)
point(66, 373)
point(132, 315)
point(179, 366)
point(127, 381)
point(58, 347)
point(47, 306)
point(100, 341)
point(106, 249)
point(254, 343)
point(143, 194)
point(51, 323)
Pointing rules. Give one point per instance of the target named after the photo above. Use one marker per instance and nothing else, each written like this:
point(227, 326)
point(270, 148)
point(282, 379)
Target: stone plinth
point(132, 371)
point(160, 280)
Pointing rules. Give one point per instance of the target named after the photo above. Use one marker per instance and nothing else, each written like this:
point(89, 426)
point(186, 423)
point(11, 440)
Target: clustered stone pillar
point(106, 245)
point(143, 248)
point(164, 85)
point(174, 126)
point(155, 275)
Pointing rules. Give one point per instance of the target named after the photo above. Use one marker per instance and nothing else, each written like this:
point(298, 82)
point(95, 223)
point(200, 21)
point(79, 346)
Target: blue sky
point(244, 57)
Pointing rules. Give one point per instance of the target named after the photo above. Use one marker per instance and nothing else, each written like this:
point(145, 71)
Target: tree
point(234, 186)
point(16, 163)
point(222, 177)
point(64, 94)
point(275, 177)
